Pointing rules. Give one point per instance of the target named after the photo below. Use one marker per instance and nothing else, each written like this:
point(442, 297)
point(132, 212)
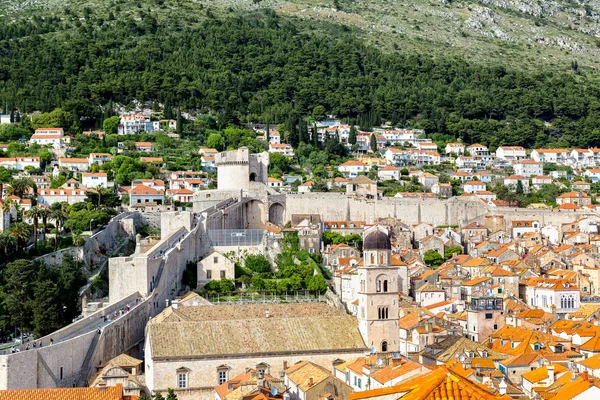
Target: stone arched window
point(384, 346)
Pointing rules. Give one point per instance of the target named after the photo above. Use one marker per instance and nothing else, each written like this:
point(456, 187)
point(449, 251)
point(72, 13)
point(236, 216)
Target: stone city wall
point(454, 211)
point(340, 207)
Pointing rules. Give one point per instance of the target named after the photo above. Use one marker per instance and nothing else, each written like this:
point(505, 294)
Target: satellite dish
point(461, 358)
point(274, 391)
point(379, 361)
point(373, 350)
point(396, 355)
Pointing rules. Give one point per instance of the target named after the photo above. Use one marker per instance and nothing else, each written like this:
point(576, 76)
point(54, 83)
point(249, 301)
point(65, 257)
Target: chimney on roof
point(502, 387)
point(311, 382)
point(428, 327)
point(550, 373)
point(267, 314)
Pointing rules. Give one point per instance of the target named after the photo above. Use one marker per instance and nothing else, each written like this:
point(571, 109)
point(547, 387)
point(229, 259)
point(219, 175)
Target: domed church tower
point(378, 293)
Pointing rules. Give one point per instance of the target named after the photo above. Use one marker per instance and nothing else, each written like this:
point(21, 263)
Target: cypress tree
point(373, 143)
point(352, 135)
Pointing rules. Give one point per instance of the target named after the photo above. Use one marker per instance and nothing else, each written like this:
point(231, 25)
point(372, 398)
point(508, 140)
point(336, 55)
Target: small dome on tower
point(377, 240)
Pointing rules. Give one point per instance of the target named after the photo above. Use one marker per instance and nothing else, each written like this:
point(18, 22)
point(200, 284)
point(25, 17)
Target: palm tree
point(60, 216)
point(45, 213)
point(7, 240)
point(21, 232)
point(22, 186)
point(35, 214)
point(7, 207)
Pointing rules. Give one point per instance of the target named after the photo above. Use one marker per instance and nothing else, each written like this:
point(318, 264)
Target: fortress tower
point(237, 169)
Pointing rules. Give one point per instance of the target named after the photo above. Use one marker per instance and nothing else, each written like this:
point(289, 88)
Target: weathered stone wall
point(203, 373)
point(454, 211)
point(55, 258)
point(41, 367)
point(339, 207)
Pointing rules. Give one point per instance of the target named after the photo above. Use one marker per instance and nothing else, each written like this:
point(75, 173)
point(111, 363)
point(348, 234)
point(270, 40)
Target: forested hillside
point(258, 66)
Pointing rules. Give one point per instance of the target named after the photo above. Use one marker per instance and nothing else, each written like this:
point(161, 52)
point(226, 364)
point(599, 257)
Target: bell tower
point(378, 293)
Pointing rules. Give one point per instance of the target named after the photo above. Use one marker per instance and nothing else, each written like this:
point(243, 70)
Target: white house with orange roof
point(144, 147)
point(274, 183)
point(132, 123)
point(593, 174)
point(20, 163)
point(462, 176)
point(577, 198)
point(483, 176)
point(306, 187)
point(427, 146)
point(99, 158)
point(388, 173)
point(479, 150)
point(351, 168)
point(485, 195)
point(153, 183)
point(395, 156)
point(552, 294)
point(555, 156)
point(510, 153)
point(143, 194)
point(520, 227)
point(468, 163)
point(94, 179)
point(455, 148)
point(48, 197)
point(528, 168)
point(581, 158)
point(281, 148)
point(208, 151)
point(74, 164)
point(208, 162)
point(182, 195)
point(48, 136)
point(541, 180)
point(473, 186)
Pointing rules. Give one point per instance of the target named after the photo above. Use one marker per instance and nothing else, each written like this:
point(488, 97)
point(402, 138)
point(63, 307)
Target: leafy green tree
point(226, 285)
point(19, 277)
point(295, 282)
point(57, 118)
point(215, 141)
point(319, 112)
point(451, 250)
point(258, 283)
point(257, 263)
point(432, 258)
point(45, 308)
point(317, 283)
point(158, 396)
point(70, 279)
point(5, 177)
point(110, 125)
point(280, 163)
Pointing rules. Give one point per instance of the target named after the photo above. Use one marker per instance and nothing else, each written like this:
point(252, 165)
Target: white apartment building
point(527, 168)
point(510, 153)
point(93, 180)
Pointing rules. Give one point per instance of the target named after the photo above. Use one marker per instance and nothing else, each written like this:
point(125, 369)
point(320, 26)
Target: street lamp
point(91, 220)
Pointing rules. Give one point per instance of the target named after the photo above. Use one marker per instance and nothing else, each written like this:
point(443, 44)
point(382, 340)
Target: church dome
point(377, 240)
